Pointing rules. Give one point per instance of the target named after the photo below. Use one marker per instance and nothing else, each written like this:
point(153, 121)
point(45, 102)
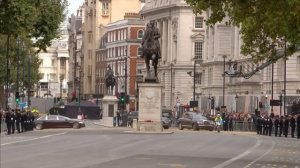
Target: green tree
point(263, 23)
point(36, 23)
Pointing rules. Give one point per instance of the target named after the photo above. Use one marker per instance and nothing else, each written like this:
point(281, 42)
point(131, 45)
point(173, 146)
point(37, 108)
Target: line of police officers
point(19, 121)
point(281, 125)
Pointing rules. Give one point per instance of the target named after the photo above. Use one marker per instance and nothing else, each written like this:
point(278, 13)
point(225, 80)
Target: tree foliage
point(36, 23)
point(263, 23)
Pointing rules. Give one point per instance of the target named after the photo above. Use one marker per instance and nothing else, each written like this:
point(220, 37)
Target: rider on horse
point(150, 39)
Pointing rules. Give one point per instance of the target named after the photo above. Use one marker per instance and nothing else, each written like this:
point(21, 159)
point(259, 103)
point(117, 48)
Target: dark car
point(195, 121)
point(57, 121)
point(132, 115)
point(166, 120)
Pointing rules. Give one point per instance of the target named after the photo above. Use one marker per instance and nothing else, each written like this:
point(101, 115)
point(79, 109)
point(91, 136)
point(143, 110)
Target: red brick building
point(120, 48)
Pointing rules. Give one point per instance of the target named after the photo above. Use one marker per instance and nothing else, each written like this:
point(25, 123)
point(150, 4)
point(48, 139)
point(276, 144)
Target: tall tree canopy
point(36, 23)
point(263, 23)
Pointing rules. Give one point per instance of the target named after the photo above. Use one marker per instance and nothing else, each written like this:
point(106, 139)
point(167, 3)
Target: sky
point(73, 6)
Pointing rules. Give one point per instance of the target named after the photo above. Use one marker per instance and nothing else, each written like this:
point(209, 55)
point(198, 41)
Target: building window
point(62, 62)
point(53, 62)
point(90, 54)
point(140, 51)
point(198, 78)
point(198, 22)
point(139, 69)
point(140, 34)
point(105, 8)
point(198, 50)
point(90, 37)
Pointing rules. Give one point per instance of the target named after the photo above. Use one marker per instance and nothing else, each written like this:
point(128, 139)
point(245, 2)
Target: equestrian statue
point(110, 80)
point(151, 47)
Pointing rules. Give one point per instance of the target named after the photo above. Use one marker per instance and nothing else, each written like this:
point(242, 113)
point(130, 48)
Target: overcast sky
point(73, 6)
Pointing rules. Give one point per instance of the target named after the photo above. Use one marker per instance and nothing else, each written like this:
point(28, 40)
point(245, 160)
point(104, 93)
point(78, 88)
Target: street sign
point(275, 103)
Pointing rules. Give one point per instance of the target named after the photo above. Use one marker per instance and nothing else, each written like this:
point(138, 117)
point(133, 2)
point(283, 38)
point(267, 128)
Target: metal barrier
point(242, 126)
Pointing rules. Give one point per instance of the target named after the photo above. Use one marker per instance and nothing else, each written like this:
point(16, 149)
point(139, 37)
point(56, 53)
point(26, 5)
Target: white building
point(54, 67)
point(184, 36)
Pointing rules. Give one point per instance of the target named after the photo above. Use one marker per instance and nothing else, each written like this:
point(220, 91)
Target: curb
point(148, 132)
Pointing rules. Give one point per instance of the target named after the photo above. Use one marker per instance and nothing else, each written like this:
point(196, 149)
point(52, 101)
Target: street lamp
point(280, 98)
point(61, 79)
point(236, 100)
point(224, 59)
point(29, 82)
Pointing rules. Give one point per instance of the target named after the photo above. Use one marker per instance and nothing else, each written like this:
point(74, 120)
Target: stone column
point(164, 40)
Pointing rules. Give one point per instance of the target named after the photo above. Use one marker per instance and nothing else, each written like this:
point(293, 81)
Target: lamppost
point(18, 56)
point(61, 79)
point(280, 99)
point(284, 96)
point(7, 70)
point(236, 100)
point(29, 82)
point(224, 59)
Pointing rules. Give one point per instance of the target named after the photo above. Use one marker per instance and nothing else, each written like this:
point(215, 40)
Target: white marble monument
point(150, 109)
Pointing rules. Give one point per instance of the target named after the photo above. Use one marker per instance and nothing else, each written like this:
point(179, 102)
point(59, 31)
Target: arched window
point(140, 34)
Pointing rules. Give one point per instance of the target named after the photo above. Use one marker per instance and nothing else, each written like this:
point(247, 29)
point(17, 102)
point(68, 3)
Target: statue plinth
point(150, 109)
point(151, 79)
point(110, 107)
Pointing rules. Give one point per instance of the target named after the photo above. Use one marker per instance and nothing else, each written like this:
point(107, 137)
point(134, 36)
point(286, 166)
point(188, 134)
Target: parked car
point(132, 115)
point(166, 120)
point(57, 121)
point(195, 121)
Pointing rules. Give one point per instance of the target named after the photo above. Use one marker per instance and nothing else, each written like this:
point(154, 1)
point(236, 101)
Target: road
point(100, 147)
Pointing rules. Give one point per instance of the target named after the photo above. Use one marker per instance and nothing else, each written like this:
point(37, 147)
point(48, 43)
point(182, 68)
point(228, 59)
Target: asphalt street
point(101, 147)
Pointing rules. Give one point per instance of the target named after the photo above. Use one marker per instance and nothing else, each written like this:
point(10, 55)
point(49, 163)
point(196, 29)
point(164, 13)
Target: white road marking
point(228, 162)
point(9, 143)
point(257, 159)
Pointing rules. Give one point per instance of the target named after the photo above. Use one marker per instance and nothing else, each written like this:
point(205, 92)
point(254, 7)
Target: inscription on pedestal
point(110, 110)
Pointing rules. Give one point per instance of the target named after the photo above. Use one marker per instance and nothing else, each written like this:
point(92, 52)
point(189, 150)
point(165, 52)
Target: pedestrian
point(8, 121)
point(13, 122)
point(292, 125)
point(258, 125)
point(23, 122)
point(18, 120)
point(276, 125)
point(298, 126)
point(286, 125)
point(270, 125)
point(230, 123)
point(280, 126)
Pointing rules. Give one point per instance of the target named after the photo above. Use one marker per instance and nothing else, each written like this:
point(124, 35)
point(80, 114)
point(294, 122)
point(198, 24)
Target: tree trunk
point(2, 97)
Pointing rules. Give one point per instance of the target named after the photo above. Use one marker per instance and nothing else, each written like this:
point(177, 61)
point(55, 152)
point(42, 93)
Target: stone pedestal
point(110, 107)
point(150, 109)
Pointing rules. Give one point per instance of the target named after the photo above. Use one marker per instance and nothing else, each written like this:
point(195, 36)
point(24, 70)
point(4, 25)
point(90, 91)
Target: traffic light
point(122, 99)
point(212, 102)
point(17, 97)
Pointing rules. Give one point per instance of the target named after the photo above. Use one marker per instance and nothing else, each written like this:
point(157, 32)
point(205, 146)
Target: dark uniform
point(230, 123)
point(276, 125)
point(23, 122)
point(293, 126)
point(286, 126)
point(258, 125)
point(270, 125)
point(298, 126)
point(9, 122)
point(280, 126)
point(18, 121)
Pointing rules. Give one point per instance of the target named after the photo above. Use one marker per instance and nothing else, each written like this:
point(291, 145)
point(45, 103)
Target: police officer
point(18, 120)
point(298, 126)
point(292, 125)
point(270, 125)
point(8, 122)
point(286, 125)
point(280, 126)
point(23, 122)
point(258, 125)
point(276, 125)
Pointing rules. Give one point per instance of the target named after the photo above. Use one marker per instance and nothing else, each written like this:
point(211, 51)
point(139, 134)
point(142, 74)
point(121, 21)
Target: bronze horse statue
point(151, 47)
point(110, 80)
